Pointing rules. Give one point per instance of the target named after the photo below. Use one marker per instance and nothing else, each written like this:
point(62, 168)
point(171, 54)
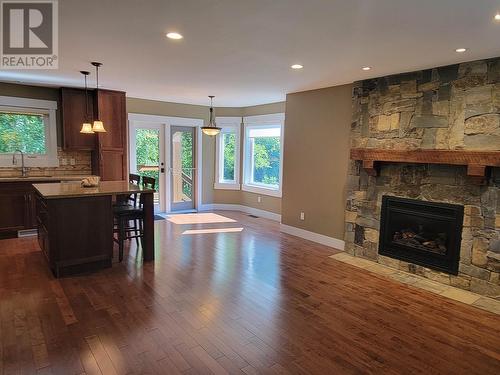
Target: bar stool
point(131, 212)
point(129, 200)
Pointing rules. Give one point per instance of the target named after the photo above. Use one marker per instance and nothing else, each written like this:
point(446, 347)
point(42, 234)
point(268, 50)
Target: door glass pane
point(182, 166)
point(147, 143)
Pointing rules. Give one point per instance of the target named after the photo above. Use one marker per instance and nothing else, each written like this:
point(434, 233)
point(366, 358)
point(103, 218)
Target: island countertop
point(75, 190)
point(41, 179)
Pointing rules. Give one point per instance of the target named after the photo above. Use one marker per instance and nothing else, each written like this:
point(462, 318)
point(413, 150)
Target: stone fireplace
point(451, 230)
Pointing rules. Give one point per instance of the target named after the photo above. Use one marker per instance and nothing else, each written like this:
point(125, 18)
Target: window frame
point(255, 122)
point(34, 106)
point(227, 125)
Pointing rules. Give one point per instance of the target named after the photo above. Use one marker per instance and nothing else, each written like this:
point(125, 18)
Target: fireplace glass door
point(425, 233)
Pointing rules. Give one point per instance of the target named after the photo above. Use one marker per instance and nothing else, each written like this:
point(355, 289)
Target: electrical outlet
point(259, 199)
point(64, 161)
point(72, 161)
point(302, 216)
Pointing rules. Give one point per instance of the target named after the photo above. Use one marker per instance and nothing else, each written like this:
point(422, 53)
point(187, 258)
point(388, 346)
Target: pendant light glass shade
point(208, 130)
point(98, 125)
point(212, 128)
point(86, 126)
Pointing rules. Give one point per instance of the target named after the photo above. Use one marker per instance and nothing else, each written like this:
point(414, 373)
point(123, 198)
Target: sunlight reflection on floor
point(213, 230)
point(205, 218)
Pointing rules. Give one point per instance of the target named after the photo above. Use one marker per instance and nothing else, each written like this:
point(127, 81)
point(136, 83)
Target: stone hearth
point(449, 108)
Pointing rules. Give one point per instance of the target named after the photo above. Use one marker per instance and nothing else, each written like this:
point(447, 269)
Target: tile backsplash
point(82, 166)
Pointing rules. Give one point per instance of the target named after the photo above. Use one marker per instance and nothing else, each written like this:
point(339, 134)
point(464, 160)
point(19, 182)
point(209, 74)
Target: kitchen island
point(75, 224)
point(17, 202)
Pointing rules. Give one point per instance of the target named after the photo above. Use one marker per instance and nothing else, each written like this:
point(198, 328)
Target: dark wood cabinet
point(73, 114)
point(109, 150)
point(110, 158)
point(17, 207)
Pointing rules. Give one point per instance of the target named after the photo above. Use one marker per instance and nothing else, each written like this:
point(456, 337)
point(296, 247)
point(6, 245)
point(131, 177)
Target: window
point(227, 173)
point(28, 125)
point(263, 150)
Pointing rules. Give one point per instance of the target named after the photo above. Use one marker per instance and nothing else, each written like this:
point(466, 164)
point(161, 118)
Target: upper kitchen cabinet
point(73, 115)
point(110, 158)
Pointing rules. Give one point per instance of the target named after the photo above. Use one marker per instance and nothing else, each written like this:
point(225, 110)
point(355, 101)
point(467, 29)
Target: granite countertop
point(75, 190)
point(44, 178)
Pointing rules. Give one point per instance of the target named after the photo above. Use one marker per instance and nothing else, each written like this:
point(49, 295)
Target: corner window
point(263, 154)
point(227, 173)
point(28, 125)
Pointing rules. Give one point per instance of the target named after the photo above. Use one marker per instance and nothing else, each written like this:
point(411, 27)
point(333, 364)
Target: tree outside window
point(229, 145)
point(266, 160)
point(20, 131)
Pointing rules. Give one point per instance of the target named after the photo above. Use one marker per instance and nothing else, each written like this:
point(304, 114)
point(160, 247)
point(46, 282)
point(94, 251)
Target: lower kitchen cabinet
point(17, 207)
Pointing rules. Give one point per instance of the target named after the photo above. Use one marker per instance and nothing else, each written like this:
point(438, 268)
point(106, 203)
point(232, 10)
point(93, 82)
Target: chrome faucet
point(24, 170)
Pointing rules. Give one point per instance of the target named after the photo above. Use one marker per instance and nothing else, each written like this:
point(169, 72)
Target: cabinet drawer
point(42, 214)
point(43, 240)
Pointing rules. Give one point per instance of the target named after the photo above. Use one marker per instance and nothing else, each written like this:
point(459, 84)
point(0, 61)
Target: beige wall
point(267, 203)
point(316, 157)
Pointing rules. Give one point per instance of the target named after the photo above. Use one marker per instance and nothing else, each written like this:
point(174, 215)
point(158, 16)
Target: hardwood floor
point(243, 300)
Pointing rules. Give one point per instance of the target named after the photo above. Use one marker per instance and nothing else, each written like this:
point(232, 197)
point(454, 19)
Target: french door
point(147, 157)
point(182, 168)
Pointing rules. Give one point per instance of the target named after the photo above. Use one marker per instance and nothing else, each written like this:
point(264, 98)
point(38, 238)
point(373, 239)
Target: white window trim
point(228, 124)
point(252, 122)
point(46, 107)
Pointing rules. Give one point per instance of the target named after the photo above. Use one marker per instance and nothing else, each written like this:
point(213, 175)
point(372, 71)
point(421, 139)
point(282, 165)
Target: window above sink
point(28, 125)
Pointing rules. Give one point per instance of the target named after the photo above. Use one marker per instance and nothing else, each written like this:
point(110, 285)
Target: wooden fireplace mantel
point(477, 162)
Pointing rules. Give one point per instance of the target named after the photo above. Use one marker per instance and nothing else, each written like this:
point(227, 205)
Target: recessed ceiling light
point(497, 17)
point(297, 66)
point(174, 35)
point(461, 50)
point(366, 67)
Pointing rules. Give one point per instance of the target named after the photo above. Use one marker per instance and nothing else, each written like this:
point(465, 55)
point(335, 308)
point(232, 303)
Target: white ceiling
point(241, 50)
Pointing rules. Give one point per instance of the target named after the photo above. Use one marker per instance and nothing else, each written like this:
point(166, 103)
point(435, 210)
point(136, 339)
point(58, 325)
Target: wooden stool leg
point(136, 231)
point(121, 237)
point(141, 232)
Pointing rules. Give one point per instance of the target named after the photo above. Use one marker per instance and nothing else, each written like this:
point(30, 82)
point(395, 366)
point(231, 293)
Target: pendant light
point(86, 126)
point(212, 128)
point(98, 126)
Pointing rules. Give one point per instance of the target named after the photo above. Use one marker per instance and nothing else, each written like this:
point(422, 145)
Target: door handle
point(162, 170)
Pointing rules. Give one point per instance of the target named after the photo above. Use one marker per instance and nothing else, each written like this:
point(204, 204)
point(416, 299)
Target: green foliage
point(147, 154)
point(187, 162)
point(147, 151)
point(267, 160)
point(229, 142)
point(25, 132)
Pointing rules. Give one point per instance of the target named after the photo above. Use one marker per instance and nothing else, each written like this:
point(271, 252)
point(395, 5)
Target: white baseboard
point(312, 236)
point(239, 207)
point(294, 231)
point(27, 233)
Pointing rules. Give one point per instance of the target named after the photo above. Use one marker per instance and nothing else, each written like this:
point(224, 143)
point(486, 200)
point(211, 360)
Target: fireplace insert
point(421, 232)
